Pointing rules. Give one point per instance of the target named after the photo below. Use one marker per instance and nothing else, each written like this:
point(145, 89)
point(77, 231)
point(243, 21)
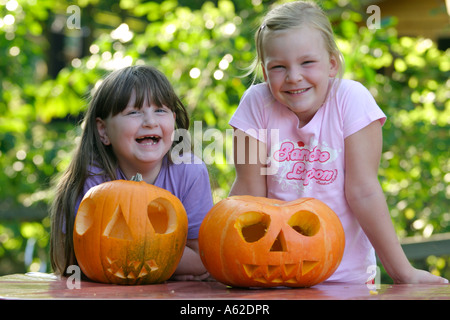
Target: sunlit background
point(53, 55)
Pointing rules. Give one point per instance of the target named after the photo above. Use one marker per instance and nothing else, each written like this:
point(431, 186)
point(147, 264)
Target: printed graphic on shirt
point(301, 165)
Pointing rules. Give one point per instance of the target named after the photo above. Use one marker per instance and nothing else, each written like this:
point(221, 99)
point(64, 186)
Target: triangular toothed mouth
point(133, 271)
point(279, 274)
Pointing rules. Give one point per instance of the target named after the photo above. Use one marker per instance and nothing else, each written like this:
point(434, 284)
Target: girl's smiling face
point(297, 68)
point(140, 138)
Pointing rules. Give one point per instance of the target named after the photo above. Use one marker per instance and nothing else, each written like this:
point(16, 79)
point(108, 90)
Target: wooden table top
point(42, 286)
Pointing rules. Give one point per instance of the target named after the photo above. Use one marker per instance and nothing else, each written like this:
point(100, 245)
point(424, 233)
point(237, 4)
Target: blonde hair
point(110, 98)
point(294, 15)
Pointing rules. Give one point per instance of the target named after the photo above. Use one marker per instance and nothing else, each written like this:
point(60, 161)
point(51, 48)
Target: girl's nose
point(294, 75)
point(149, 119)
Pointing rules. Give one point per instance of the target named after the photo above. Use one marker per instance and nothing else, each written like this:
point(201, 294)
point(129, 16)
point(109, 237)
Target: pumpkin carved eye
point(162, 216)
point(252, 225)
point(305, 222)
point(85, 219)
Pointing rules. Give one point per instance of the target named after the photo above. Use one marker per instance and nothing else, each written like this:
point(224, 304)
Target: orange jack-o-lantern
point(129, 232)
point(250, 241)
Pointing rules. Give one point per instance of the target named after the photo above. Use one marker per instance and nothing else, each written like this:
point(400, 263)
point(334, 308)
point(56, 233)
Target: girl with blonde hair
point(329, 142)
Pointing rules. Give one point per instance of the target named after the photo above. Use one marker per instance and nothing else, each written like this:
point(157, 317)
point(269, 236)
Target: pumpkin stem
point(137, 177)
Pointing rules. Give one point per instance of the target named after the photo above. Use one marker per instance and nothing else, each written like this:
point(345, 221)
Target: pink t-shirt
point(309, 161)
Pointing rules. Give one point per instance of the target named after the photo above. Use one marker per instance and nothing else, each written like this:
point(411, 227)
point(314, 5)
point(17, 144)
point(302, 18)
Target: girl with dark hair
point(128, 129)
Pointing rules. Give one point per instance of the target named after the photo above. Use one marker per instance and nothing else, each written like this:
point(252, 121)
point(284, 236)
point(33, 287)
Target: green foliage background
point(40, 108)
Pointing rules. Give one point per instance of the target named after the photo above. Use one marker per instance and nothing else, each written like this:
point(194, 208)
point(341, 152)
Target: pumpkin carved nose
point(118, 228)
point(279, 245)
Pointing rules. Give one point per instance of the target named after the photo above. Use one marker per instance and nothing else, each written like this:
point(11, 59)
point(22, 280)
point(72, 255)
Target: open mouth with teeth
point(148, 140)
point(300, 91)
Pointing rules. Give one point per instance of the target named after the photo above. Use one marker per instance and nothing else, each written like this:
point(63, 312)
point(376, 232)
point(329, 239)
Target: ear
point(101, 128)
point(334, 66)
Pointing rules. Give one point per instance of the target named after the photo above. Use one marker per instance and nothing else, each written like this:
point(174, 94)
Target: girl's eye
point(308, 62)
point(133, 112)
point(162, 109)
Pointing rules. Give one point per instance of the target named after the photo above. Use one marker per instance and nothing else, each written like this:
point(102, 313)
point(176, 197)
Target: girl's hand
point(420, 276)
point(366, 199)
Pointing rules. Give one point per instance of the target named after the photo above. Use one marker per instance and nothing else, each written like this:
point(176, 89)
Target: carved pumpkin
point(250, 241)
point(129, 232)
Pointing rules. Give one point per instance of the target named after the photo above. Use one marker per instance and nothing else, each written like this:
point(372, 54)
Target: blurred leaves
point(204, 48)
point(409, 78)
